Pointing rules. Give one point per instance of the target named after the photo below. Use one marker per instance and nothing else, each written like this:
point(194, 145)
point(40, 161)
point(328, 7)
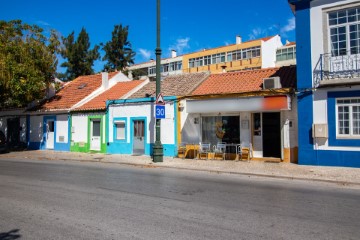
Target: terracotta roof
point(115, 92)
point(245, 81)
point(73, 92)
point(173, 85)
point(290, 44)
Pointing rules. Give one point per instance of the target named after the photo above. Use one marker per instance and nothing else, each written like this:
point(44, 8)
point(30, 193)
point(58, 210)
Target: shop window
point(221, 129)
point(257, 124)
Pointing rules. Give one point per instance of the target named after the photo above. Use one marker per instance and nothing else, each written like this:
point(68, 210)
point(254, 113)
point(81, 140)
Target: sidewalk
point(338, 175)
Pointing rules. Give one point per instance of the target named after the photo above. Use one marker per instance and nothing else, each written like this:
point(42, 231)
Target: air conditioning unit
point(273, 82)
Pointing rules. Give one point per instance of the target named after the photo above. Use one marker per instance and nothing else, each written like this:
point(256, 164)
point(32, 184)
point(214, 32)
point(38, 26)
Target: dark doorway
point(271, 135)
point(13, 132)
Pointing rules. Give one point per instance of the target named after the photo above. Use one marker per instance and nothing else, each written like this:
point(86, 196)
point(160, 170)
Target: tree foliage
point(27, 62)
point(80, 58)
point(118, 51)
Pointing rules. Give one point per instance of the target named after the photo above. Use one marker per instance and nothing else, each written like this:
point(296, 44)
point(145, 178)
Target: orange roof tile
point(115, 92)
point(74, 92)
point(290, 44)
point(245, 81)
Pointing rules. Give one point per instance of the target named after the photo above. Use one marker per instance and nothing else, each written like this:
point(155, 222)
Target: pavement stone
point(340, 175)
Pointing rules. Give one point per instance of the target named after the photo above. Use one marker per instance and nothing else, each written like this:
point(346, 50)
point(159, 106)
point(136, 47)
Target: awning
point(271, 103)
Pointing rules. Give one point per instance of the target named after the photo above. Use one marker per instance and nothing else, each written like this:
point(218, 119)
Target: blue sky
point(186, 26)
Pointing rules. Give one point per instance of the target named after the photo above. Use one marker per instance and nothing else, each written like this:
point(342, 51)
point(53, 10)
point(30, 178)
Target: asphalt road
point(69, 200)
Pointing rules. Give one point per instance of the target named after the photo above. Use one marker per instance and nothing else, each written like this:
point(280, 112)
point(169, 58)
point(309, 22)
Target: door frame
point(132, 120)
point(90, 118)
point(280, 133)
point(45, 120)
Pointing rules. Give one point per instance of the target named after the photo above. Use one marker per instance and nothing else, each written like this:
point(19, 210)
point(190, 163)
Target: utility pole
point(158, 150)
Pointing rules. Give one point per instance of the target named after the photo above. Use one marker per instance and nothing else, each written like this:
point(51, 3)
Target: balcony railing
point(336, 68)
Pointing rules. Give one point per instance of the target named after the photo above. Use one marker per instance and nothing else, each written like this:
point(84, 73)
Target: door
point(257, 135)
point(50, 133)
point(13, 133)
point(95, 135)
point(139, 137)
point(271, 134)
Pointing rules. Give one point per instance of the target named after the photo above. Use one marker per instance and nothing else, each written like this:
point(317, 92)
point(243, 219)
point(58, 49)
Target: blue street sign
point(160, 111)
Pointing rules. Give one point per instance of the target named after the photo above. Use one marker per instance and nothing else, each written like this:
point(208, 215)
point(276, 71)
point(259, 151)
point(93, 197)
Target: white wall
point(268, 51)
point(79, 128)
point(290, 133)
point(144, 110)
point(62, 127)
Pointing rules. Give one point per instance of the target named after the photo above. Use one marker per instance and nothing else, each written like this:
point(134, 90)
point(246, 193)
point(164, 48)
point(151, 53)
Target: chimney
point(238, 39)
point(173, 53)
point(105, 79)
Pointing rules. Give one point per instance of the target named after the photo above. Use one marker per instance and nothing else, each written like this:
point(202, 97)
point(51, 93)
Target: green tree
point(118, 52)
point(27, 62)
point(80, 58)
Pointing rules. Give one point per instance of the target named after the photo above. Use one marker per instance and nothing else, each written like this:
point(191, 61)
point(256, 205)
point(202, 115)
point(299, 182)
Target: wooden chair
point(182, 150)
point(246, 151)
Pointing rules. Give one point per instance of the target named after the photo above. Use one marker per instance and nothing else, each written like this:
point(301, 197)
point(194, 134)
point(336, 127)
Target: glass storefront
point(220, 129)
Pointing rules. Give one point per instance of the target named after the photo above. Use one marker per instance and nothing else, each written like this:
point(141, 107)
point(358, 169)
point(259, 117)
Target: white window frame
point(117, 123)
point(347, 30)
point(351, 134)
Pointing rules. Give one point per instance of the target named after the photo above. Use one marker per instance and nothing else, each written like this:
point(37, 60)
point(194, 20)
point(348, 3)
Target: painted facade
point(328, 82)
point(49, 123)
point(137, 119)
point(88, 132)
point(89, 129)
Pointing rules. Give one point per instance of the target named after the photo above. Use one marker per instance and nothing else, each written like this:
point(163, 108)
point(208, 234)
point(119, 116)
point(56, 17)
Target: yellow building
point(254, 54)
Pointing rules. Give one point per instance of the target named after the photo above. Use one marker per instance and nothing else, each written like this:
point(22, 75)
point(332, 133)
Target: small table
point(230, 149)
point(192, 147)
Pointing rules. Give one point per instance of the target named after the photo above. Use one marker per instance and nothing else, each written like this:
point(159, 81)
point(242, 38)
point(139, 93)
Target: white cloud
point(43, 23)
point(145, 53)
point(289, 27)
point(257, 32)
point(180, 45)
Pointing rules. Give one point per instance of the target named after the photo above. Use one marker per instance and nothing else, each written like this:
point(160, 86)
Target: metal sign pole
point(158, 150)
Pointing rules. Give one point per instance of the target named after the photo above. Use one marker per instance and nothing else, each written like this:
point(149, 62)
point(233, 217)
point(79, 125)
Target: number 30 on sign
point(160, 111)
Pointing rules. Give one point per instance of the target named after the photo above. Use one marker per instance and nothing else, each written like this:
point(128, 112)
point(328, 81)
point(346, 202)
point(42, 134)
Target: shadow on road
point(10, 235)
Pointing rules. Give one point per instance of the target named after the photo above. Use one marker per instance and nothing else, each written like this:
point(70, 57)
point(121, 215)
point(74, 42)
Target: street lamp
point(158, 148)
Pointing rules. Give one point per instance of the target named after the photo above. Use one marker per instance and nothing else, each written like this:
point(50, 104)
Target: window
point(348, 117)
point(178, 65)
point(120, 130)
point(217, 58)
point(286, 54)
point(207, 60)
point(191, 62)
point(165, 67)
point(345, 32)
point(152, 70)
point(220, 129)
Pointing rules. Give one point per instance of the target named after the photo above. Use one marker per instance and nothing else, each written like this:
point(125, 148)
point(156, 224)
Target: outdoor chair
point(219, 149)
point(246, 151)
point(182, 150)
point(204, 149)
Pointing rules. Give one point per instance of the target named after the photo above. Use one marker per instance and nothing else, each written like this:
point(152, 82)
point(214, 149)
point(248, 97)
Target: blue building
point(328, 79)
